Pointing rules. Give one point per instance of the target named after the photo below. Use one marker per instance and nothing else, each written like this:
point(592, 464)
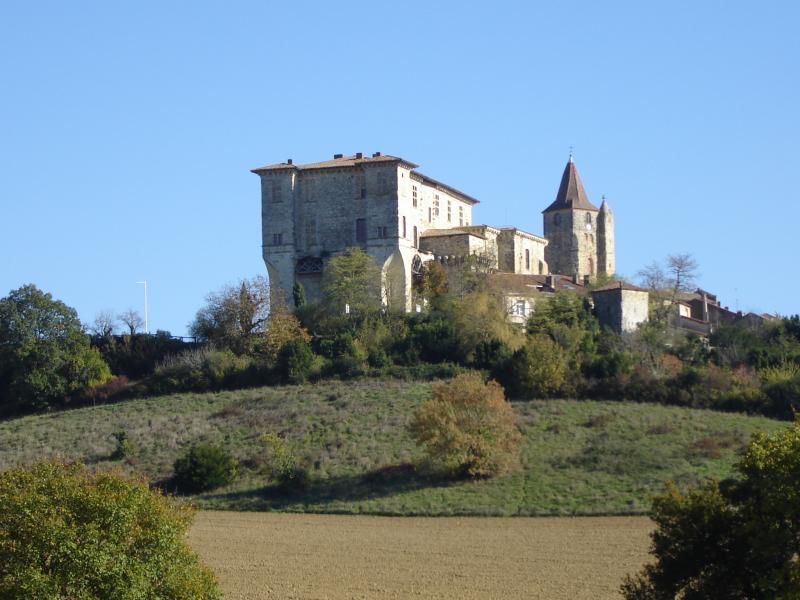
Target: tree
point(468, 428)
point(103, 324)
point(537, 370)
point(295, 360)
point(431, 285)
point(236, 316)
point(282, 326)
point(666, 284)
point(352, 280)
point(734, 539)
point(66, 532)
point(132, 320)
point(298, 295)
point(45, 357)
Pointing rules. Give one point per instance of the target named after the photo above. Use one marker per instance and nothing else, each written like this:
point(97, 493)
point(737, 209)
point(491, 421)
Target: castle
point(403, 219)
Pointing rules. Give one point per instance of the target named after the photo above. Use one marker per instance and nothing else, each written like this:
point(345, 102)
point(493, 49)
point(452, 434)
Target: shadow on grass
point(379, 483)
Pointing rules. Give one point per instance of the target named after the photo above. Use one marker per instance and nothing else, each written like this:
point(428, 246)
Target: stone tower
point(577, 230)
point(606, 261)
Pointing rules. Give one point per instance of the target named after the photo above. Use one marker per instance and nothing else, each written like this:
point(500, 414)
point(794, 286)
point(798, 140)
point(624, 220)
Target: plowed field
point(270, 555)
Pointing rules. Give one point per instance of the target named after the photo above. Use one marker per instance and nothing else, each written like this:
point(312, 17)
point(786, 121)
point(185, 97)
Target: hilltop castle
point(403, 219)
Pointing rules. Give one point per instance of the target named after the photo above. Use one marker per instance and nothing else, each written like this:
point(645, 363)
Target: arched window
point(541, 268)
point(588, 218)
point(527, 260)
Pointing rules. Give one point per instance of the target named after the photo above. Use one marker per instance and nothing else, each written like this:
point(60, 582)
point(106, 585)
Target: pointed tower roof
point(570, 193)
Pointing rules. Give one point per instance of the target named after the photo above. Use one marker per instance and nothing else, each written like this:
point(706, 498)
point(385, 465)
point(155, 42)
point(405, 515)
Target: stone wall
point(623, 310)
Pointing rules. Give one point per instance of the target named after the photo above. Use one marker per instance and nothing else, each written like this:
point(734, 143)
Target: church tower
point(577, 230)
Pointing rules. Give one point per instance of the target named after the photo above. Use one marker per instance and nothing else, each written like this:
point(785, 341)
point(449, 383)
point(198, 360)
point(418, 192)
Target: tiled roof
point(570, 193)
point(450, 231)
point(343, 161)
point(620, 285)
point(522, 283)
point(352, 161)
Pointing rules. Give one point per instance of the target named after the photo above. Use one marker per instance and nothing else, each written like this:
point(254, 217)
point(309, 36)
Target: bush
point(468, 427)
point(283, 464)
point(68, 533)
point(123, 447)
point(203, 468)
point(295, 361)
point(735, 539)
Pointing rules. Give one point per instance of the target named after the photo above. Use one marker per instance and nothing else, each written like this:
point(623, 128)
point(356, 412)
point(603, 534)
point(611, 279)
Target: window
point(460, 215)
point(277, 191)
point(527, 260)
point(520, 308)
point(383, 183)
point(416, 238)
point(359, 186)
point(557, 219)
point(436, 206)
point(449, 211)
point(383, 232)
point(541, 268)
point(414, 195)
point(404, 227)
point(361, 231)
point(277, 239)
point(430, 211)
point(588, 218)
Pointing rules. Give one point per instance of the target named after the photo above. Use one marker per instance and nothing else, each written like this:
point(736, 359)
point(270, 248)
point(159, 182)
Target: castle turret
point(606, 260)
point(570, 226)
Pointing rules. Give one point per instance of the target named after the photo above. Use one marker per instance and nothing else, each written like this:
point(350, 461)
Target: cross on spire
point(570, 154)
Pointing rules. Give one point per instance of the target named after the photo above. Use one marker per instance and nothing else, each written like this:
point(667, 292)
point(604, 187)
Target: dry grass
point(260, 556)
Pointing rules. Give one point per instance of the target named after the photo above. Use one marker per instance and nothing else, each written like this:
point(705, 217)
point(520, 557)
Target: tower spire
point(570, 154)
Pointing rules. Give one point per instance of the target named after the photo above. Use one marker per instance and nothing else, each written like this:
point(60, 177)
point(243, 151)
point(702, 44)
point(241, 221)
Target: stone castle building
point(403, 219)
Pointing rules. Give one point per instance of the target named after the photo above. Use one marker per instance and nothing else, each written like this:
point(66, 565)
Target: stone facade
point(621, 306)
point(403, 219)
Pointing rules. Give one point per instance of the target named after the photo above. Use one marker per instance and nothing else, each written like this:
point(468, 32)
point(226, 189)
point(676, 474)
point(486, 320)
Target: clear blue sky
point(127, 130)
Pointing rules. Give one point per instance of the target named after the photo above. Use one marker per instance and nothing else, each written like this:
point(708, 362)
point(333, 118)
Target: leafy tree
point(204, 467)
point(236, 316)
point(735, 539)
point(66, 532)
point(537, 370)
point(353, 280)
point(431, 286)
point(282, 326)
point(299, 295)
point(45, 357)
point(468, 428)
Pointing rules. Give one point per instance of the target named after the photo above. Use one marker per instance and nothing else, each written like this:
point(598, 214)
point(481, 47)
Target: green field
point(578, 457)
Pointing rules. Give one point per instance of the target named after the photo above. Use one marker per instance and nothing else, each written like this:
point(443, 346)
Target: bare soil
point(272, 555)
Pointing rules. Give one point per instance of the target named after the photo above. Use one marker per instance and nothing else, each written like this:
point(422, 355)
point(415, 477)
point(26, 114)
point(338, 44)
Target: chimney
point(359, 155)
point(335, 156)
point(576, 279)
point(288, 161)
point(376, 154)
point(551, 281)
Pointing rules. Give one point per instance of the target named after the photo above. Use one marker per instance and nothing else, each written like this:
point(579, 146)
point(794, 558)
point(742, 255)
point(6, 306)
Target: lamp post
point(146, 327)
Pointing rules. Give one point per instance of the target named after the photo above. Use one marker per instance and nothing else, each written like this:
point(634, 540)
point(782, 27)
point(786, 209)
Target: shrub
point(68, 533)
point(203, 468)
point(123, 446)
point(295, 361)
point(283, 464)
point(735, 539)
point(468, 427)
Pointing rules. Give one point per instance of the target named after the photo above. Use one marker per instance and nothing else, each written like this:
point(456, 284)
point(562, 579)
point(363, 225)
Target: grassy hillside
point(579, 457)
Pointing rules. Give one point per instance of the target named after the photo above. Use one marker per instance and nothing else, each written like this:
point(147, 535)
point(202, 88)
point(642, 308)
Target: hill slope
point(578, 457)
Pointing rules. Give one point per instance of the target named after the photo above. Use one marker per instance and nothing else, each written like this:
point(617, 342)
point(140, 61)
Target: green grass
point(578, 457)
